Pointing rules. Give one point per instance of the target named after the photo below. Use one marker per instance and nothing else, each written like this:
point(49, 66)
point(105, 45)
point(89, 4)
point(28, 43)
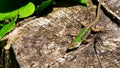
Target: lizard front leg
point(79, 39)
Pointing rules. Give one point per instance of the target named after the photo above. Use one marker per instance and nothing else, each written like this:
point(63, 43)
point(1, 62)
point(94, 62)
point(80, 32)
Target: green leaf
point(82, 1)
point(26, 10)
point(7, 28)
point(1, 24)
point(43, 5)
point(7, 8)
point(4, 16)
point(9, 11)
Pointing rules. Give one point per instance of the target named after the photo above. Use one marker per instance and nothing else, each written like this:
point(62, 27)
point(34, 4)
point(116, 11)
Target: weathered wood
point(42, 43)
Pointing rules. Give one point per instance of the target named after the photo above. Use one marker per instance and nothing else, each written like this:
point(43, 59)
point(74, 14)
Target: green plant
point(82, 1)
point(12, 10)
point(8, 27)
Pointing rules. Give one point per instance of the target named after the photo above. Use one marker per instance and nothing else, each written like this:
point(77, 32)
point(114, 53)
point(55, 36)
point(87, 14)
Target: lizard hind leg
point(98, 28)
point(84, 23)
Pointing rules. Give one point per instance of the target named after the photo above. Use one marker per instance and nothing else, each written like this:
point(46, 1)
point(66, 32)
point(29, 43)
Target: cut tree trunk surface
point(42, 42)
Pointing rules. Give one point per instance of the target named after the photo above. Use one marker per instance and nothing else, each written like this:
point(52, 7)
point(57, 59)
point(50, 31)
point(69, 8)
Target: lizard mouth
point(72, 49)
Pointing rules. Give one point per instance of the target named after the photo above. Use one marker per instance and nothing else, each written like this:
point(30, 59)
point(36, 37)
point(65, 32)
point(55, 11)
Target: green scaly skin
point(82, 35)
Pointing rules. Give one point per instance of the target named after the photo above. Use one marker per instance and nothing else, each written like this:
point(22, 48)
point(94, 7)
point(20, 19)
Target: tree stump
point(42, 42)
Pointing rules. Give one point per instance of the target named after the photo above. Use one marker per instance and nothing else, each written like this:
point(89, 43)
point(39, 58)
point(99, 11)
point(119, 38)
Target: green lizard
point(83, 34)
